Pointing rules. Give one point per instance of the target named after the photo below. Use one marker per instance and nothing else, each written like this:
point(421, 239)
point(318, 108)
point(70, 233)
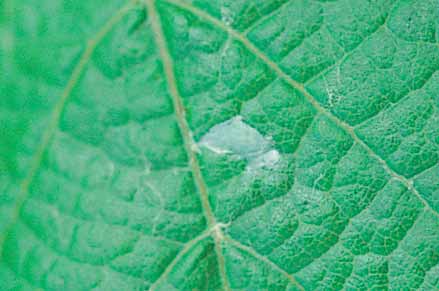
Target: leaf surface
point(175, 145)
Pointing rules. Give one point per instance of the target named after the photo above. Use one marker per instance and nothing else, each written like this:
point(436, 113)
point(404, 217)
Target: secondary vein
point(301, 88)
point(183, 251)
point(264, 259)
point(57, 112)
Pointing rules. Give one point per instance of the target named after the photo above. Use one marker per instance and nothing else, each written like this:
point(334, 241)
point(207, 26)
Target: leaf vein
point(58, 110)
point(264, 259)
point(187, 135)
point(300, 87)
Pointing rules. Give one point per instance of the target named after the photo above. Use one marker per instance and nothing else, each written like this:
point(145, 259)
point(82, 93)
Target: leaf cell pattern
point(168, 145)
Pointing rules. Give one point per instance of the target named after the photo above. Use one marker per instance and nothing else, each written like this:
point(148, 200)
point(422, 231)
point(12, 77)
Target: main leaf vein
point(187, 136)
point(301, 88)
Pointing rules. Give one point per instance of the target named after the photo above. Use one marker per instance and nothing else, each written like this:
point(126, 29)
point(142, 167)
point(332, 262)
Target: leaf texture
point(177, 145)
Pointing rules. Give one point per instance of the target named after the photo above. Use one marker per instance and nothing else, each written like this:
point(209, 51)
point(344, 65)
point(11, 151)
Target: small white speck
point(147, 170)
point(217, 229)
point(227, 16)
point(195, 148)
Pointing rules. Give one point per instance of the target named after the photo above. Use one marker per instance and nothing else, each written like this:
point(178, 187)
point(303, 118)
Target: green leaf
point(206, 145)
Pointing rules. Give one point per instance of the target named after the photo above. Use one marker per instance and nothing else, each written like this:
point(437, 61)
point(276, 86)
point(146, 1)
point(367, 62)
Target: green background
point(219, 145)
